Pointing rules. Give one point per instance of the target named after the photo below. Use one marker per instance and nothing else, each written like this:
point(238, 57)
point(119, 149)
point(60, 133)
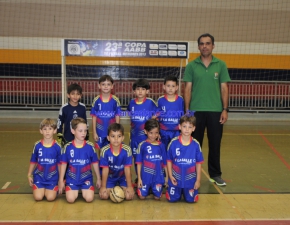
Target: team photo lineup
point(166, 136)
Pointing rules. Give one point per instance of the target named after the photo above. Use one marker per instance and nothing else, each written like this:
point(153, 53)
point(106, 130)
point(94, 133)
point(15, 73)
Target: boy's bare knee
point(70, 199)
point(38, 198)
point(89, 198)
point(50, 198)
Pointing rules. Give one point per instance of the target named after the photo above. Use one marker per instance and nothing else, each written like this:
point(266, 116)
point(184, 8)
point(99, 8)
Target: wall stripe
point(247, 61)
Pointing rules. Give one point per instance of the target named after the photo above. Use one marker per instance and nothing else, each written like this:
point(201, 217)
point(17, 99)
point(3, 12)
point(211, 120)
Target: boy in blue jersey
point(79, 155)
point(105, 111)
point(150, 160)
point(116, 162)
point(43, 172)
point(140, 110)
point(73, 109)
point(170, 109)
point(184, 158)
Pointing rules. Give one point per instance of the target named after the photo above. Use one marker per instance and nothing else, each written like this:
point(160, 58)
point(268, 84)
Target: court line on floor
point(274, 150)
point(264, 189)
point(54, 208)
point(6, 185)
point(9, 189)
point(225, 197)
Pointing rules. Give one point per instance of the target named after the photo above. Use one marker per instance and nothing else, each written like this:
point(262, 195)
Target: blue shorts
point(121, 181)
point(168, 135)
point(38, 184)
point(102, 141)
point(87, 185)
point(156, 190)
point(173, 194)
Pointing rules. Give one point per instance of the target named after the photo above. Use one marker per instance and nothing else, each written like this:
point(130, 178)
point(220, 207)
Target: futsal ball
point(117, 194)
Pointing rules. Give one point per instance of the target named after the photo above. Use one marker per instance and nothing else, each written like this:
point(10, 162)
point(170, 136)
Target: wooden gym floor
point(255, 163)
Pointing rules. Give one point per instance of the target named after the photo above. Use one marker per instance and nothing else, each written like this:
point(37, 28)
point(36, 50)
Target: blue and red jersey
point(116, 162)
point(139, 113)
point(79, 160)
point(47, 159)
point(170, 112)
point(153, 159)
point(106, 112)
point(184, 159)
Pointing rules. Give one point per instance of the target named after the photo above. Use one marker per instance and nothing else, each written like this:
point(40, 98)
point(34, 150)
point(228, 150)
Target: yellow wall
point(242, 61)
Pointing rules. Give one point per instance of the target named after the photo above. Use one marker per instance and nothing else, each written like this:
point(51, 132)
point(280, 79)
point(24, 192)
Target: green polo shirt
point(206, 84)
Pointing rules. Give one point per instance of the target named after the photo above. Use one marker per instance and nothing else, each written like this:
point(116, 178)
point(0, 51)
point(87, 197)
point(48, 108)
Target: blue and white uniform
point(66, 114)
point(169, 116)
point(79, 159)
point(106, 112)
point(139, 113)
point(184, 159)
point(153, 160)
point(116, 164)
point(47, 158)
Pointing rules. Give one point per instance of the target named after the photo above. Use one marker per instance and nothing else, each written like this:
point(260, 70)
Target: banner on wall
point(113, 48)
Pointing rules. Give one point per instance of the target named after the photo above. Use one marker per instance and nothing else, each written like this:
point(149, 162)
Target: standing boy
point(79, 156)
point(105, 111)
point(140, 110)
point(69, 111)
point(43, 171)
point(184, 158)
point(171, 108)
point(151, 162)
point(116, 162)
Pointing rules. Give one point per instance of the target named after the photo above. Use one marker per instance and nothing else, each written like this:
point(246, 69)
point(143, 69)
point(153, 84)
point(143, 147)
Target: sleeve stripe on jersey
point(103, 150)
point(152, 101)
point(173, 139)
point(92, 145)
point(139, 147)
point(128, 149)
point(35, 145)
point(95, 99)
point(117, 100)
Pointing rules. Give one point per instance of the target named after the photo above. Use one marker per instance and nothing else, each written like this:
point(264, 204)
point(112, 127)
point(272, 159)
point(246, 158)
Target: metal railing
point(46, 93)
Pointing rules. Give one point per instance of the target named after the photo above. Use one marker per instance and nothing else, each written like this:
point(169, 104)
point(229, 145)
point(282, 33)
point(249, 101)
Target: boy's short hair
point(76, 121)
point(106, 77)
point(74, 87)
point(151, 124)
point(48, 123)
point(143, 83)
point(116, 127)
point(188, 118)
point(171, 78)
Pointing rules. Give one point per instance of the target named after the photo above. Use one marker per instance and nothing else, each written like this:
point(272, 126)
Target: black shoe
point(218, 181)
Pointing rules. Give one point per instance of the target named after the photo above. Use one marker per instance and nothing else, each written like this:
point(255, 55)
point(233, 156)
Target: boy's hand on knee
point(140, 184)
point(129, 193)
point(61, 186)
point(103, 193)
point(196, 185)
point(30, 180)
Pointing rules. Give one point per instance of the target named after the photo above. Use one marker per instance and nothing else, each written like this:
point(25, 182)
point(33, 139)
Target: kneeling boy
point(116, 162)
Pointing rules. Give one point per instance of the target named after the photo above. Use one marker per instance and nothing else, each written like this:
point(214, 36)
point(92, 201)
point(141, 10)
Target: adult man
point(206, 93)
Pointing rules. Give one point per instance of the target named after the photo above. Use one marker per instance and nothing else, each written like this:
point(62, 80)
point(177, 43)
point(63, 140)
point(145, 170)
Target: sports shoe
point(218, 181)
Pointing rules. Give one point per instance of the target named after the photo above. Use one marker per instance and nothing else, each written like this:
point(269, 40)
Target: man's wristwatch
point(226, 109)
